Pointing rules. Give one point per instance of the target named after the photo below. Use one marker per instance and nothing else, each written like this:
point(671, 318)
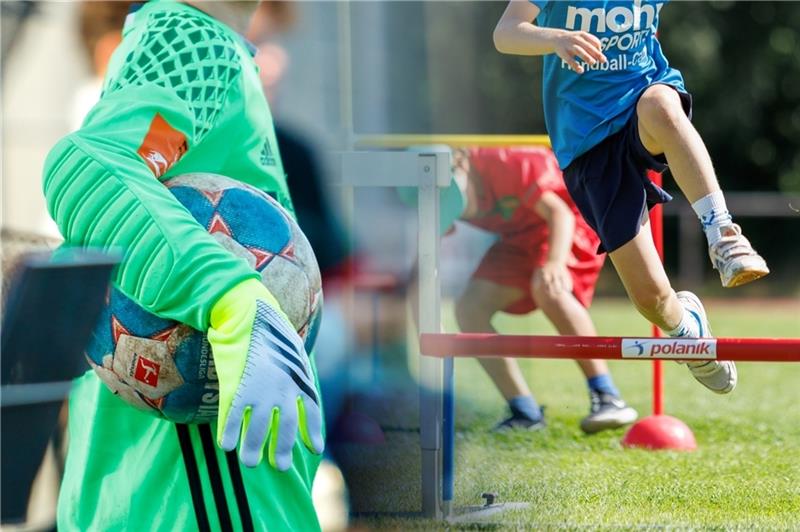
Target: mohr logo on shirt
point(162, 147)
point(618, 19)
point(673, 348)
point(146, 371)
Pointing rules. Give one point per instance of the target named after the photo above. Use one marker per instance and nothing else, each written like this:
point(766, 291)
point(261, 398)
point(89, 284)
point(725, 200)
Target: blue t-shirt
point(581, 110)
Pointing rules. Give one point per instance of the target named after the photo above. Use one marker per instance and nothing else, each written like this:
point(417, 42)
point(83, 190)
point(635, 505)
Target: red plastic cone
point(660, 432)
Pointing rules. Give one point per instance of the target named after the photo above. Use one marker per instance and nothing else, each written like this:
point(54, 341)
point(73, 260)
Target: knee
point(546, 301)
point(660, 106)
point(651, 301)
point(471, 315)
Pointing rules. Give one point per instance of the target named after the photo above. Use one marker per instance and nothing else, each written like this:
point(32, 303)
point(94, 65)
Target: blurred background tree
point(741, 61)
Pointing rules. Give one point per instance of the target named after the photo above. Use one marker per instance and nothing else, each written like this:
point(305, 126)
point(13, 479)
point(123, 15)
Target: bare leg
point(474, 312)
point(647, 285)
point(569, 317)
point(665, 128)
point(640, 269)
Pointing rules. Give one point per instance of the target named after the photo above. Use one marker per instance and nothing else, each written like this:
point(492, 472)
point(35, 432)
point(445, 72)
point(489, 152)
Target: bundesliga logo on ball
point(167, 368)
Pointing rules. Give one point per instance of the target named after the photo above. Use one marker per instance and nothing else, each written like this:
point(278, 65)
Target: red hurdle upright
point(657, 228)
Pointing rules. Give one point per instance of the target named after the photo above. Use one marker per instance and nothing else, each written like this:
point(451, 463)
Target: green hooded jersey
point(182, 95)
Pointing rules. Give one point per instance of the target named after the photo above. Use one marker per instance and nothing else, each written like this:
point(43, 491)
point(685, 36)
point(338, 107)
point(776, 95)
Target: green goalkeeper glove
point(266, 387)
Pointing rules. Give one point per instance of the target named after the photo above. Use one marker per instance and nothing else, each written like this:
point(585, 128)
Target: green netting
point(187, 54)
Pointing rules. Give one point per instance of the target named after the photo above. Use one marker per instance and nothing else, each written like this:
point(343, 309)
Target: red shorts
point(512, 260)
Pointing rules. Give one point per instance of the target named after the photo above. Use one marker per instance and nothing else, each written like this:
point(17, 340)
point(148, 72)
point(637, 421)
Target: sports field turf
point(745, 473)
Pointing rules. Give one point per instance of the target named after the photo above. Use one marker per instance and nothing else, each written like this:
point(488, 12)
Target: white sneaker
point(719, 376)
point(735, 259)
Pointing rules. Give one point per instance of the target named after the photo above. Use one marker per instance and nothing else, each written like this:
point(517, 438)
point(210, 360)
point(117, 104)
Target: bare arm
point(561, 223)
point(516, 34)
point(554, 275)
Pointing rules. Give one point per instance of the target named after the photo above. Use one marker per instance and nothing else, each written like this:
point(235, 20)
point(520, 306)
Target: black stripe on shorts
point(212, 465)
point(239, 491)
point(193, 476)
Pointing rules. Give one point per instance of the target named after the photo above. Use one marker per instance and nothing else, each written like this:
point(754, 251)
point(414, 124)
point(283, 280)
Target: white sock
point(713, 214)
point(687, 328)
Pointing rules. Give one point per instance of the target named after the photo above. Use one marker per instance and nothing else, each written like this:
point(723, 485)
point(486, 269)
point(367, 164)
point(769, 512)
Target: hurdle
point(376, 161)
point(610, 347)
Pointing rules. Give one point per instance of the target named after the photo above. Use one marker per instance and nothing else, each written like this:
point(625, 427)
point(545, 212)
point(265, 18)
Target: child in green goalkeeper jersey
point(182, 94)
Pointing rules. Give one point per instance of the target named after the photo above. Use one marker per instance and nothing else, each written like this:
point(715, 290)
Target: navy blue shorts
point(610, 187)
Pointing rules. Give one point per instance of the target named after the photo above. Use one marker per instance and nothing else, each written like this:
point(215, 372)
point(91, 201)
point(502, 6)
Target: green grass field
point(745, 473)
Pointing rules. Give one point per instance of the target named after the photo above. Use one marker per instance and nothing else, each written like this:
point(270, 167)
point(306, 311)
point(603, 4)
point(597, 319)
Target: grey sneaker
point(719, 376)
point(607, 412)
point(520, 421)
point(735, 259)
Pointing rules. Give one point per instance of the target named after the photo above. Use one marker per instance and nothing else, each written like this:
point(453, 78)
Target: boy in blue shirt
point(615, 109)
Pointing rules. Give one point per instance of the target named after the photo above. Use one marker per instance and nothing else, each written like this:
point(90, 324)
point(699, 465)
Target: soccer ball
point(165, 367)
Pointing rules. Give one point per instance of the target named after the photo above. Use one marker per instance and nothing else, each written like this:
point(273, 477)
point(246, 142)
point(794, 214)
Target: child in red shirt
point(545, 257)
